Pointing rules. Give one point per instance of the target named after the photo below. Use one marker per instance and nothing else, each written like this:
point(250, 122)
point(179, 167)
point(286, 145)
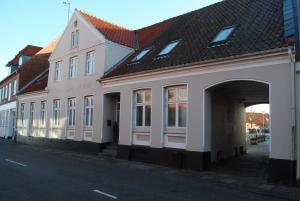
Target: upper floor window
point(141, 55)
point(71, 112)
point(6, 92)
point(73, 67)
point(143, 108)
point(75, 39)
point(43, 114)
point(90, 62)
point(168, 48)
point(58, 69)
point(176, 106)
point(224, 34)
point(14, 88)
point(56, 112)
point(88, 111)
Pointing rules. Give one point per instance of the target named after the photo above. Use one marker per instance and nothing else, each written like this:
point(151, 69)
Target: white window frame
point(56, 112)
point(43, 114)
point(73, 67)
point(88, 107)
point(71, 110)
point(177, 102)
point(90, 62)
point(75, 39)
point(143, 104)
point(58, 71)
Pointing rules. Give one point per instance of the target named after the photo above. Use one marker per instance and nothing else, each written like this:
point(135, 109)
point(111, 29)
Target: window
point(22, 112)
point(141, 55)
point(6, 91)
point(73, 67)
point(56, 112)
point(43, 114)
point(31, 115)
point(57, 74)
point(75, 39)
point(90, 63)
point(169, 48)
point(224, 34)
point(177, 100)
point(88, 111)
point(15, 87)
point(71, 112)
point(143, 108)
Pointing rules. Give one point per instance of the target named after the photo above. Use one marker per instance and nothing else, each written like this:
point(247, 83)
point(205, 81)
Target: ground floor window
point(142, 108)
point(71, 112)
point(22, 113)
point(31, 114)
point(43, 114)
point(88, 111)
point(56, 112)
point(176, 106)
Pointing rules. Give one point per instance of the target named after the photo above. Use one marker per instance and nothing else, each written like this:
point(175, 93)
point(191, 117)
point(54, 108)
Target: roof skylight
point(169, 48)
point(224, 34)
point(141, 55)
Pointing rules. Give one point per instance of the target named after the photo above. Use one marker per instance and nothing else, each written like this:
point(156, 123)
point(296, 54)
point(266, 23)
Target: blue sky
point(38, 22)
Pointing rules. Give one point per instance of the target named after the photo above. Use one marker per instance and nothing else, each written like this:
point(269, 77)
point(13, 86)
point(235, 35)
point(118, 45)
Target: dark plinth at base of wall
point(174, 158)
point(71, 145)
point(282, 171)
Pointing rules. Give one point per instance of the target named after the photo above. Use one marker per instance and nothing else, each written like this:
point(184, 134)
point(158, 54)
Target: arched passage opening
point(226, 134)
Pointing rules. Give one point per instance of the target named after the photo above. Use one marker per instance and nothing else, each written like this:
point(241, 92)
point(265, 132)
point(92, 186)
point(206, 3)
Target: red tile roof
point(34, 68)
point(145, 37)
point(111, 31)
point(29, 50)
point(257, 118)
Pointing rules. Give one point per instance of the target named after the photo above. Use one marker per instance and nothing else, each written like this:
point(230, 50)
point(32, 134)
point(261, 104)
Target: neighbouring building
point(173, 93)
point(256, 120)
point(9, 89)
point(32, 95)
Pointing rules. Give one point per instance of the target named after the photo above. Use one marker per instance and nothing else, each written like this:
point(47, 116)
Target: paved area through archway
point(253, 165)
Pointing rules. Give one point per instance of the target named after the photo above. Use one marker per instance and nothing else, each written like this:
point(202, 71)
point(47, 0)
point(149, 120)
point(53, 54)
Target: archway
point(225, 125)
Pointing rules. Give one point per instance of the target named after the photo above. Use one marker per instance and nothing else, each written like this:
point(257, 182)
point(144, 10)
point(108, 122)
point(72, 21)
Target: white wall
point(273, 70)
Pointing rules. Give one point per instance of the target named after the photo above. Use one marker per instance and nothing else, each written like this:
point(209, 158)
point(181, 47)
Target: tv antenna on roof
point(67, 3)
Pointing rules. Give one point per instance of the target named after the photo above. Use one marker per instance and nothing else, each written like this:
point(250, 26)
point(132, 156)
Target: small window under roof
point(141, 55)
point(224, 34)
point(169, 48)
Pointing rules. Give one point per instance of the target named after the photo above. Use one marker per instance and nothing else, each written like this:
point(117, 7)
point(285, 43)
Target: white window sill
point(181, 131)
point(142, 129)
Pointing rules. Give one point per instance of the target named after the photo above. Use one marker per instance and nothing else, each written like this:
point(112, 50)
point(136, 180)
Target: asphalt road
point(28, 173)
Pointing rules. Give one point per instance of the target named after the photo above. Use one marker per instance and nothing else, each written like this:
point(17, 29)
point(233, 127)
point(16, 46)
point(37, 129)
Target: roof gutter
point(208, 63)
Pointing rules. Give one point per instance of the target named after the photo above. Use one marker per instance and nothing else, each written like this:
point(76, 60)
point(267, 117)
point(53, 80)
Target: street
point(35, 174)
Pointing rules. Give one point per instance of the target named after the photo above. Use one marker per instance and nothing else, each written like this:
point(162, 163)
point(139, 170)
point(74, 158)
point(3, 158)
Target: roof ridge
point(98, 18)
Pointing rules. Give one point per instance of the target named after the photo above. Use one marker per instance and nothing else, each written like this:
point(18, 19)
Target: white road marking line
point(106, 194)
point(17, 163)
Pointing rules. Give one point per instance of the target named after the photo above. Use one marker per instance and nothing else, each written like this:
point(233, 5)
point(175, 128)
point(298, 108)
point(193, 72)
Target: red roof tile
point(111, 31)
point(29, 50)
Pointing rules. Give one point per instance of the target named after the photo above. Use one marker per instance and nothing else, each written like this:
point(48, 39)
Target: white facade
point(80, 58)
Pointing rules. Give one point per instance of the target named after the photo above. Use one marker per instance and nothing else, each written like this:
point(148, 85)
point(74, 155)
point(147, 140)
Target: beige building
point(173, 93)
